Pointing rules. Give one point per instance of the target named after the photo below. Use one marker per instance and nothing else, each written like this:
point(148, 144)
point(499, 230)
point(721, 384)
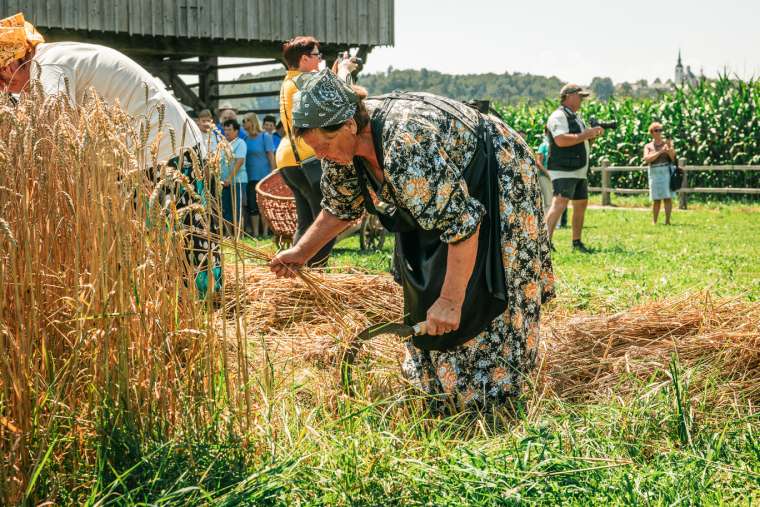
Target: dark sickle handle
point(350, 354)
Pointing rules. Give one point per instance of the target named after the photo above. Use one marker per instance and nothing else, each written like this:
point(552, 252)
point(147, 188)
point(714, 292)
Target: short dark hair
point(296, 47)
point(231, 123)
point(205, 113)
point(269, 117)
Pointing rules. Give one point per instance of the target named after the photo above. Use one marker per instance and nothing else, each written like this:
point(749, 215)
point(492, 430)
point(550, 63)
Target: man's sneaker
point(578, 246)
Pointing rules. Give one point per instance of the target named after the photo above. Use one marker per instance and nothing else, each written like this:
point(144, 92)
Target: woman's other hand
point(443, 316)
point(446, 313)
point(287, 263)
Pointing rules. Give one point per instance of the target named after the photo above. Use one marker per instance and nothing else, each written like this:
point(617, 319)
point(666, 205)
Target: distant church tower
point(684, 77)
point(680, 76)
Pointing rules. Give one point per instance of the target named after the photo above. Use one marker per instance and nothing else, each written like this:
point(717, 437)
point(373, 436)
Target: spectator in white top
point(211, 135)
point(569, 143)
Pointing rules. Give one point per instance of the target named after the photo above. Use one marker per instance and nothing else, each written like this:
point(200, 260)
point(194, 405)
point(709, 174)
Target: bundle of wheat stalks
point(582, 357)
point(298, 323)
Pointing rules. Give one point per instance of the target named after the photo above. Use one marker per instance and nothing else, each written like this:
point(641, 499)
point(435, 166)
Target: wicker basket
point(277, 205)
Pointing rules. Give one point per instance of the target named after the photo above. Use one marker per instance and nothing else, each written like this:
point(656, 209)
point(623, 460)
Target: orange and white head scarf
point(17, 38)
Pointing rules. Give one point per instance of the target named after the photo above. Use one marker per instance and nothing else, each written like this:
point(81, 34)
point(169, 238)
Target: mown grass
point(665, 446)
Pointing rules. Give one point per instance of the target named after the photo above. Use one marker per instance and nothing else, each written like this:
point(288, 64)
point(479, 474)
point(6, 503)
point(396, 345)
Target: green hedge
point(714, 122)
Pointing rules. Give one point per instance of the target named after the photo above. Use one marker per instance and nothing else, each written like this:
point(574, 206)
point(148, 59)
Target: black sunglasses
point(656, 130)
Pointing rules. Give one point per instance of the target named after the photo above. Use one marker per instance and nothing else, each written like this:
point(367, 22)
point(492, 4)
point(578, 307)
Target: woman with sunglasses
point(300, 168)
point(660, 155)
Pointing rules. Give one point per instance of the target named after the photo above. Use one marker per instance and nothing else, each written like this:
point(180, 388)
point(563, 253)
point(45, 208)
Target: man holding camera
point(569, 144)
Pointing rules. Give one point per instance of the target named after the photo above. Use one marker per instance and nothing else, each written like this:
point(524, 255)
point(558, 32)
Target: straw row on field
point(587, 357)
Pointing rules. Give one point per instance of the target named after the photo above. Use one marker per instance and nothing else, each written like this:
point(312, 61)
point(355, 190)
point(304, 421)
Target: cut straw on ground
point(583, 358)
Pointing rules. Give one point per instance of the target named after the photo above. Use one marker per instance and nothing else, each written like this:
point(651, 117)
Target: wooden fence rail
point(607, 190)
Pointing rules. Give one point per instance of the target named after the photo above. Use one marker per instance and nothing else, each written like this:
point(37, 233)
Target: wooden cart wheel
point(371, 234)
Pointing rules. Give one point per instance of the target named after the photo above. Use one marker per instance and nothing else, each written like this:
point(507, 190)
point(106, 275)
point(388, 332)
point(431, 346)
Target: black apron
point(421, 256)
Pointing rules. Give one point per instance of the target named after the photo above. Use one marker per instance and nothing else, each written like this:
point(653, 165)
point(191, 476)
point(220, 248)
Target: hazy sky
point(574, 40)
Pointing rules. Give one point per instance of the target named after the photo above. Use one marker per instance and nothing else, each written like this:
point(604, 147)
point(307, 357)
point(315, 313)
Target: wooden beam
point(183, 47)
point(721, 190)
point(695, 190)
point(619, 169)
point(693, 168)
point(690, 168)
point(169, 46)
point(267, 79)
point(258, 111)
point(180, 67)
point(183, 93)
point(620, 190)
point(249, 64)
point(181, 90)
point(273, 93)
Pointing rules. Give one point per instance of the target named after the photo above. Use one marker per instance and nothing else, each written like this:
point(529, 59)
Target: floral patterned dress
point(425, 151)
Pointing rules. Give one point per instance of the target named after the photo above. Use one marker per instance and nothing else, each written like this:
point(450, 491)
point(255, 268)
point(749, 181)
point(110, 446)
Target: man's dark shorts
point(575, 189)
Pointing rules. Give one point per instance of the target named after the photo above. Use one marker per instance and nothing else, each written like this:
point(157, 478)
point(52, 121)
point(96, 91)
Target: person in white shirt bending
point(77, 69)
point(110, 74)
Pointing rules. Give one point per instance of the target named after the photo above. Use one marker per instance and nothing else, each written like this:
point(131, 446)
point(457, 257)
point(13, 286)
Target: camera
point(482, 106)
point(346, 54)
point(606, 125)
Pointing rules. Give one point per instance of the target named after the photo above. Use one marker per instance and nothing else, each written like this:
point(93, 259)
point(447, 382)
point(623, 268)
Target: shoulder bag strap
point(435, 102)
point(377, 121)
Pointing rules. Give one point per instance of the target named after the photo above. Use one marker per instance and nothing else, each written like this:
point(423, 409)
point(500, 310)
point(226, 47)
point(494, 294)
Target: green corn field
point(715, 122)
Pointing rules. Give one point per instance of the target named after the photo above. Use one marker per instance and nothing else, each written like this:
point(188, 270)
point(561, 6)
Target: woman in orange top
point(300, 168)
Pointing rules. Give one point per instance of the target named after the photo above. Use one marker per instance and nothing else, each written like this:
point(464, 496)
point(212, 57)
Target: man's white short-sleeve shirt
point(557, 125)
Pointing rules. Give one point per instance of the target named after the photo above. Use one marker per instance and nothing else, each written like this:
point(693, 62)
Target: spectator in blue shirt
point(269, 124)
point(259, 162)
point(278, 134)
point(227, 112)
point(542, 158)
point(233, 175)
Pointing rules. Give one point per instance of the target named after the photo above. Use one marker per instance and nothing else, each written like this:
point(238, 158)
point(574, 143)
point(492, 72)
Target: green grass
point(635, 261)
point(665, 446)
point(711, 246)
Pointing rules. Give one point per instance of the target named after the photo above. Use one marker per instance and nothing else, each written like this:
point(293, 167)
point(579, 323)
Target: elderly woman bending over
point(459, 189)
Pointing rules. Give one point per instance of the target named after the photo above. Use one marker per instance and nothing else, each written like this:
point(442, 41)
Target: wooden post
point(208, 88)
point(606, 196)
point(682, 195)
